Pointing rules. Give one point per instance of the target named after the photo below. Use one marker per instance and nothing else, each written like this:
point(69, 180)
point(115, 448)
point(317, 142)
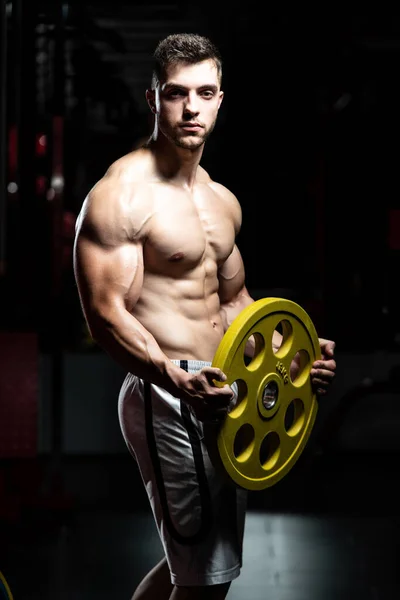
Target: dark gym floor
point(329, 530)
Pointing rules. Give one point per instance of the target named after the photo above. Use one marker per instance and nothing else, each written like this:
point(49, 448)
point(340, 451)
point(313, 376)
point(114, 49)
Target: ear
point(151, 100)
point(221, 97)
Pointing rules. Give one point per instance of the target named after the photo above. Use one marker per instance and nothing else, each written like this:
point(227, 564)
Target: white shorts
point(199, 515)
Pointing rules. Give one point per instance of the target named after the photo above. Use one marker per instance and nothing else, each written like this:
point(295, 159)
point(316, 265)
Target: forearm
point(128, 343)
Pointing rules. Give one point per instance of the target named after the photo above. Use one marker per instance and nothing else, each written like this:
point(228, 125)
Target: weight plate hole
point(270, 395)
point(244, 442)
point(238, 403)
point(254, 360)
point(294, 417)
point(285, 328)
point(301, 358)
point(270, 450)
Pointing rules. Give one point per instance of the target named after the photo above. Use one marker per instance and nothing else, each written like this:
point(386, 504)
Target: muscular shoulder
point(118, 206)
point(134, 167)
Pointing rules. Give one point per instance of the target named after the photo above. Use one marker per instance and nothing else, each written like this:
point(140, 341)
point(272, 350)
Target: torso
point(189, 236)
point(186, 235)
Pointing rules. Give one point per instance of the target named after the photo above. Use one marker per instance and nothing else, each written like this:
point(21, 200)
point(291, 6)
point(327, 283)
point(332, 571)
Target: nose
point(191, 105)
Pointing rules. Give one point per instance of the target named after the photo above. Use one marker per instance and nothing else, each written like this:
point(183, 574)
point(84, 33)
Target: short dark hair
point(184, 48)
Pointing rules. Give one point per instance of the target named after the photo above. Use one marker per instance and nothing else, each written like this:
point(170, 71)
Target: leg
point(199, 517)
point(209, 592)
point(156, 584)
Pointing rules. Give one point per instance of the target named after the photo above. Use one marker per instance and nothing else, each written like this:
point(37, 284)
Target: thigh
point(210, 592)
point(200, 518)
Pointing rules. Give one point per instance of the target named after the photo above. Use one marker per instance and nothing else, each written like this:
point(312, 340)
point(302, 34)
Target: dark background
point(307, 138)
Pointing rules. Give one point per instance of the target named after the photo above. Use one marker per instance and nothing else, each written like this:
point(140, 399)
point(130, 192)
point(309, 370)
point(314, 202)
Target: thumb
point(330, 348)
point(327, 346)
point(217, 375)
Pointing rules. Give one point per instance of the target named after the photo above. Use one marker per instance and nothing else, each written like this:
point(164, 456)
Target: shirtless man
point(160, 279)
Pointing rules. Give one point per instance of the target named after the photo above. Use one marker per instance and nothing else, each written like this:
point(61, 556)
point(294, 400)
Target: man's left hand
point(323, 371)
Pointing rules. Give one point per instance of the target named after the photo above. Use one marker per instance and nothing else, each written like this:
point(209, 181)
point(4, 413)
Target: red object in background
point(41, 144)
point(41, 185)
point(394, 229)
point(12, 152)
point(19, 387)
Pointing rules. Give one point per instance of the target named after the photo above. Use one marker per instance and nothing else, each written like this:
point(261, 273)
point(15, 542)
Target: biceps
point(107, 277)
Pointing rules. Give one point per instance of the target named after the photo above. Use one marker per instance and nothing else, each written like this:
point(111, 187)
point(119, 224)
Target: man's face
point(187, 104)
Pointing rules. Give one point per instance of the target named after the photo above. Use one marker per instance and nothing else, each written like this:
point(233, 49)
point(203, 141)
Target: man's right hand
point(208, 401)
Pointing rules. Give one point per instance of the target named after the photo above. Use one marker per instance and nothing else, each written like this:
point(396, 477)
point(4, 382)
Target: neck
point(175, 163)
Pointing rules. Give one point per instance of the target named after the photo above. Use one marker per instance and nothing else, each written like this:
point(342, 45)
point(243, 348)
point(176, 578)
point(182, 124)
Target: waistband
point(191, 366)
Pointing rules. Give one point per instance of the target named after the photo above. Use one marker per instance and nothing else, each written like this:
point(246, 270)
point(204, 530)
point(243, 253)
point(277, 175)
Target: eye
point(207, 94)
point(175, 93)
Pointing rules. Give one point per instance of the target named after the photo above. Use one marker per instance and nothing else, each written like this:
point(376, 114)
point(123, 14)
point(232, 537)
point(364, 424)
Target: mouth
point(191, 127)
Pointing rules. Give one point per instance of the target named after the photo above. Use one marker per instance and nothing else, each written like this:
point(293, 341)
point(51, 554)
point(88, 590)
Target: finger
point(323, 365)
point(330, 348)
point(215, 379)
point(320, 388)
point(321, 391)
point(221, 397)
point(325, 371)
point(319, 383)
point(214, 373)
point(322, 375)
point(327, 346)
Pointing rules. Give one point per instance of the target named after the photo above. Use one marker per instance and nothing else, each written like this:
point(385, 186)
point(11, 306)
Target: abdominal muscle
point(184, 320)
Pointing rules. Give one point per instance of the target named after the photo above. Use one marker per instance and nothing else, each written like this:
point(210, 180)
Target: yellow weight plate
point(265, 432)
